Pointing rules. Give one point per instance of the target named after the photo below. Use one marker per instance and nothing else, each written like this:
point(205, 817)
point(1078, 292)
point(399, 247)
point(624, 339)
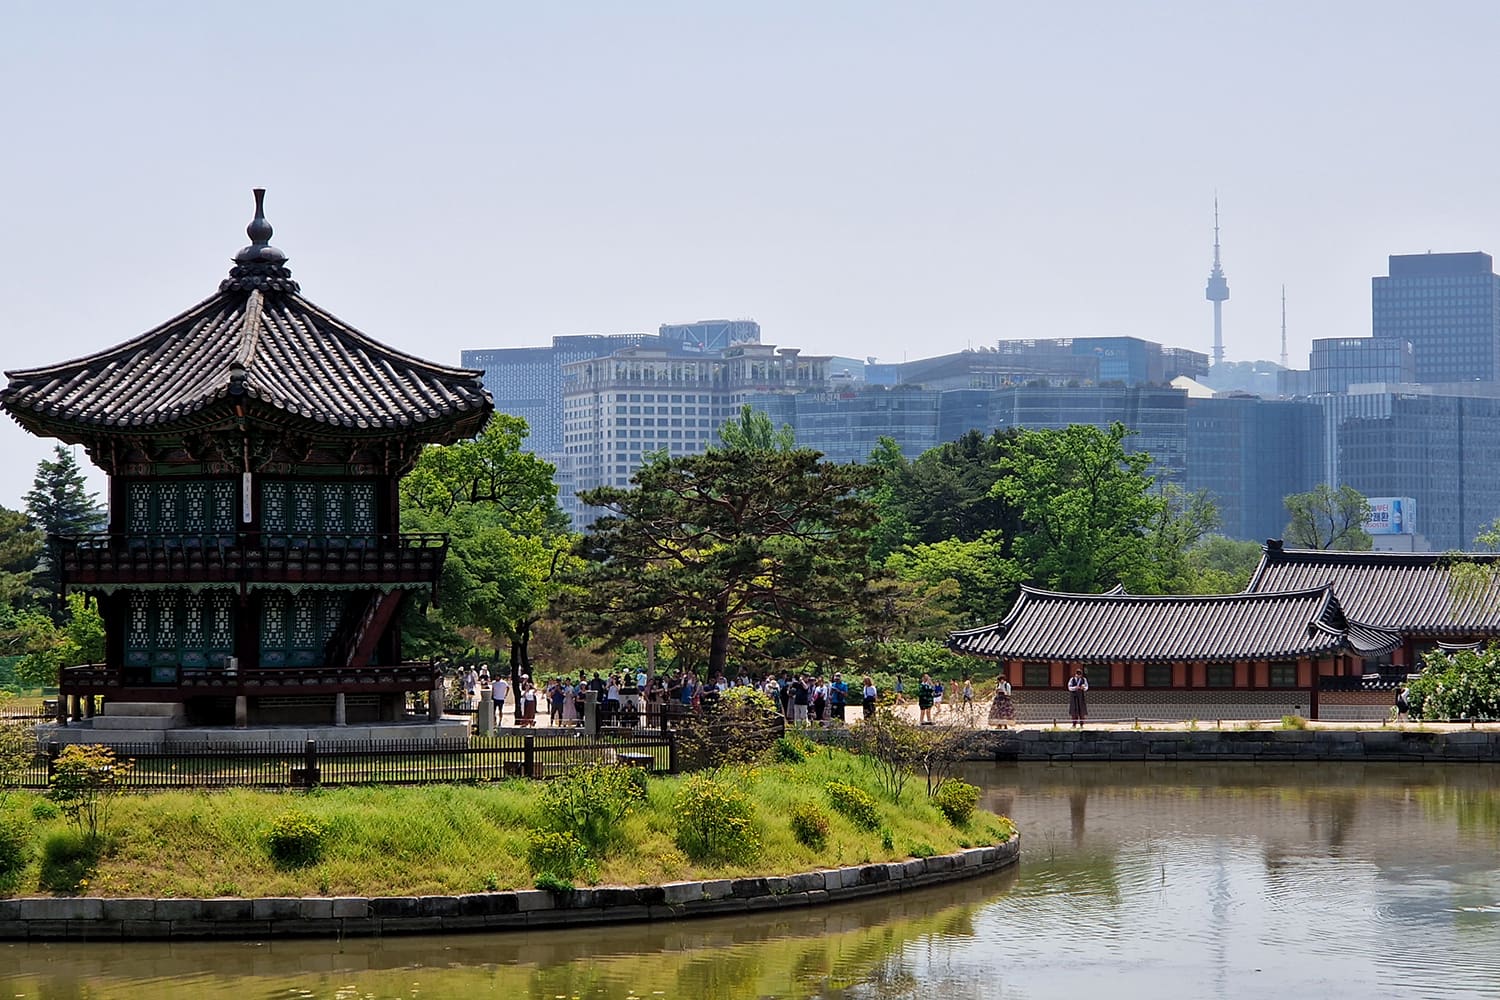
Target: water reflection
point(1155, 880)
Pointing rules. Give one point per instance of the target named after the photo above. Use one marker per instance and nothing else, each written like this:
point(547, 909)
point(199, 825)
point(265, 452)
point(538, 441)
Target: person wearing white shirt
point(498, 692)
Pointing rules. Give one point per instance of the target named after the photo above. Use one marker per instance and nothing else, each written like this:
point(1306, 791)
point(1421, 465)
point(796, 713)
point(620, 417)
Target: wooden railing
point(250, 556)
point(100, 679)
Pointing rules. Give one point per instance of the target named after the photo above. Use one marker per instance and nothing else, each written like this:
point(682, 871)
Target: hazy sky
point(895, 180)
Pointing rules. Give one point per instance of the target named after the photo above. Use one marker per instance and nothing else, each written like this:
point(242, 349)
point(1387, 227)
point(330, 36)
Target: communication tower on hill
point(1217, 292)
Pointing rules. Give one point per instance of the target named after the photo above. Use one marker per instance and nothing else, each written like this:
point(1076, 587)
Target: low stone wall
point(1162, 705)
point(319, 916)
point(1355, 706)
point(1252, 745)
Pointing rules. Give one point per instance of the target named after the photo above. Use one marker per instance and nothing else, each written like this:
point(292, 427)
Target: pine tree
point(59, 504)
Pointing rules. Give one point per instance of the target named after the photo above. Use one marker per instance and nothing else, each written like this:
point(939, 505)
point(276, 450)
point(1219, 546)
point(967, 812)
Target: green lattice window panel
point(307, 512)
point(167, 629)
point(295, 628)
point(191, 508)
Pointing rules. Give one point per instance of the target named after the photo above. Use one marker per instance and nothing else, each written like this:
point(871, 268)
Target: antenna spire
point(1283, 328)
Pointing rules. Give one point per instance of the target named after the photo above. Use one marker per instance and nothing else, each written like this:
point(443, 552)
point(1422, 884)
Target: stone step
point(143, 723)
point(144, 709)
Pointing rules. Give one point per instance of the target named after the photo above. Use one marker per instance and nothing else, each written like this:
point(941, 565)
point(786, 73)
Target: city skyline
point(862, 179)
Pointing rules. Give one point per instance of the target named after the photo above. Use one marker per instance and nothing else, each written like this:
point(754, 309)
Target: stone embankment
point(1226, 745)
point(339, 916)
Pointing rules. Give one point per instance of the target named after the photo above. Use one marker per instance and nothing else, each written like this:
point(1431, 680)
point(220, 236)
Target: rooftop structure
point(526, 382)
point(1336, 363)
point(710, 336)
point(1447, 305)
point(618, 409)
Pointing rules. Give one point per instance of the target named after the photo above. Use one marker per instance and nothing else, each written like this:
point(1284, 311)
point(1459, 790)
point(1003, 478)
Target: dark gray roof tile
point(257, 336)
point(1403, 591)
point(1125, 627)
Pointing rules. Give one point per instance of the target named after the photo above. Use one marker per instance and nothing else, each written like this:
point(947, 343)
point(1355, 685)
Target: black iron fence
point(374, 762)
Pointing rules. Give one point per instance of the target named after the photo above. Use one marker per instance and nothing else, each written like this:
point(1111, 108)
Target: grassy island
point(801, 809)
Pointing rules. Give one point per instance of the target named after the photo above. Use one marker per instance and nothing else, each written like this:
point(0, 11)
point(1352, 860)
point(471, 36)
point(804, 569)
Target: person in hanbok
point(1002, 709)
point(1078, 705)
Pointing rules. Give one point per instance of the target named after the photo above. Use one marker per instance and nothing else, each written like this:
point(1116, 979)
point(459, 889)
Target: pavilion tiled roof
point(1411, 592)
point(259, 342)
point(1120, 627)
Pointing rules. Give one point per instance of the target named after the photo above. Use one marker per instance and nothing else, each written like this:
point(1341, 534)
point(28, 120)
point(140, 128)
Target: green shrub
point(552, 883)
point(1462, 684)
point(854, 804)
point(15, 847)
point(956, 800)
point(561, 855)
point(752, 697)
point(738, 729)
point(85, 780)
point(42, 810)
point(887, 839)
point(922, 850)
point(640, 780)
point(296, 840)
point(590, 802)
point(715, 819)
point(68, 859)
point(810, 826)
point(1293, 722)
point(788, 750)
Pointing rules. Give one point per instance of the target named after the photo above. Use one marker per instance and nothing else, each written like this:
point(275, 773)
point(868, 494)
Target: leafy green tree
point(59, 503)
point(46, 647)
point(911, 609)
point(928, 656)
point(703, 544)
point(1325, 518)
point(949, 491)
point(986, 579)
point(1219, 565)
point(892, 528)
point(752, 430)
point(21, 546)
point(1184, 520)
point(1088, 507)
point(508, 540)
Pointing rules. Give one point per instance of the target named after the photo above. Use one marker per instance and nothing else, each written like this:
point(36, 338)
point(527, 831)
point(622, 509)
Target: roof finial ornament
point(259, 230)
point(259, 265)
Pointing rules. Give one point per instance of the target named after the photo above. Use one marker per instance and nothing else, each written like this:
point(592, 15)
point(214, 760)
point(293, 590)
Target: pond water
point(1136, 880)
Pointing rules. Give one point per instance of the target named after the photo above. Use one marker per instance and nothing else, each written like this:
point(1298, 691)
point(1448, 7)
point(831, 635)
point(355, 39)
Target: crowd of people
point(629, 698)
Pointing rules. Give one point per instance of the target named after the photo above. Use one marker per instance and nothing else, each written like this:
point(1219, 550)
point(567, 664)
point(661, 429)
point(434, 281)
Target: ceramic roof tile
point(1404, 591)
point(1118, 626)
point(257, 337)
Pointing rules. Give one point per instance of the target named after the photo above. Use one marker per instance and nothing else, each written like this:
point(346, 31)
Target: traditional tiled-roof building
point(1220, 656)
point(1329, 633)
point(253, 566)
point(1414, 594)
